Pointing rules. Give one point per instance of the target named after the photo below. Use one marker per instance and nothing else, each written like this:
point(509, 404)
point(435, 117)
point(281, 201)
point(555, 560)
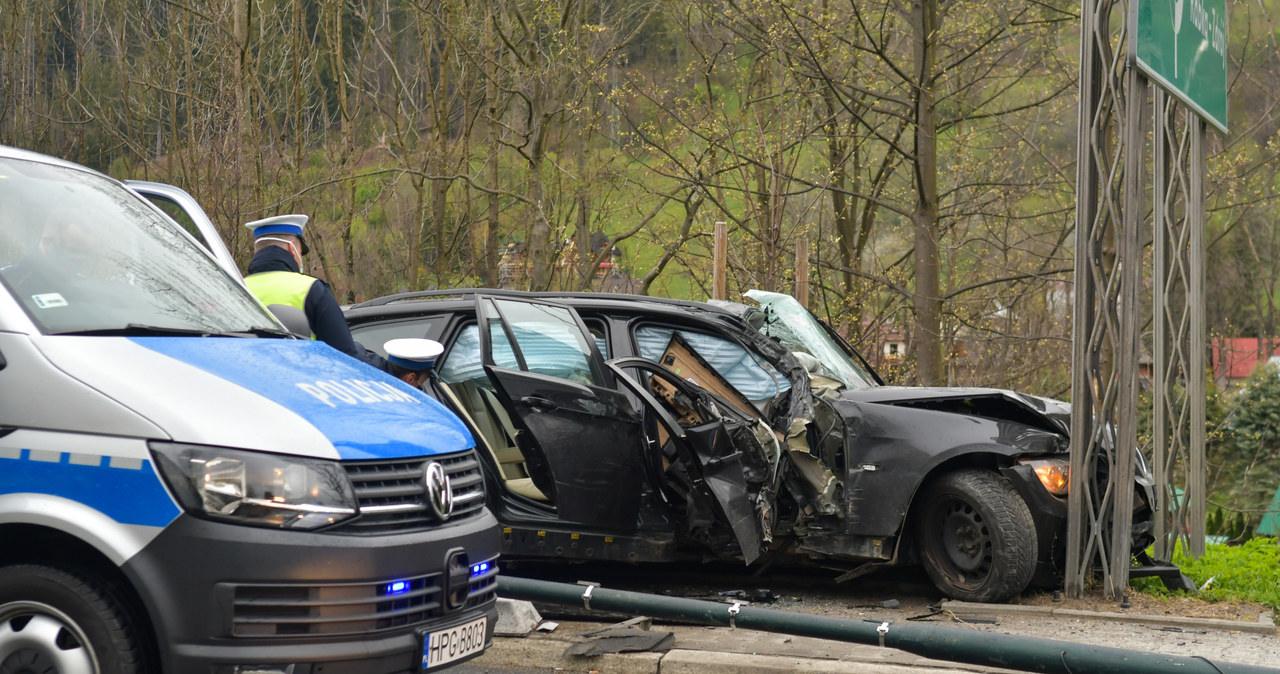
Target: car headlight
point(1054, 474)
point(255, 488)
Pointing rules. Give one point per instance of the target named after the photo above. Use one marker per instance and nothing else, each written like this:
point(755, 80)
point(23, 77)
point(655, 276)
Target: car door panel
point(722, 469)
point(712, 461)
point(586, 434)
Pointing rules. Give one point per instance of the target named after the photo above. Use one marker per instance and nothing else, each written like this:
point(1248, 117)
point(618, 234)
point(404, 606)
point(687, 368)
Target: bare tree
point(891, 96)
point(919, 145)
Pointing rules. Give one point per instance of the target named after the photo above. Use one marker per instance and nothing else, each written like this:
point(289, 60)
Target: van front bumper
point(224, 598)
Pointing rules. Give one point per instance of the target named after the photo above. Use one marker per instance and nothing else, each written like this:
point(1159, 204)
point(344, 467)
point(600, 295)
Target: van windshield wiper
point(140, 330)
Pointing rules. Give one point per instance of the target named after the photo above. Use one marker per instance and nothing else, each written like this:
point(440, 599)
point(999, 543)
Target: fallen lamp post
point(933, 641)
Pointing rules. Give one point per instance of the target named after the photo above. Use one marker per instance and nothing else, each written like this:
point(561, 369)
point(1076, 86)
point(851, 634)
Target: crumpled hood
point(287, 396)
point(1046, 413)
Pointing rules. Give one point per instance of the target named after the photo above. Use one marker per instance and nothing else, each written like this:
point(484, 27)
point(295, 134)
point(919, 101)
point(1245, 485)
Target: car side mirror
point(292, 319)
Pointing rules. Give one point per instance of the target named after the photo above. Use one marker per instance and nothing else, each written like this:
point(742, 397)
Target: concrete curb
point(1264, 624)
point(546, 651)
point(537, 651)
point(695, 662)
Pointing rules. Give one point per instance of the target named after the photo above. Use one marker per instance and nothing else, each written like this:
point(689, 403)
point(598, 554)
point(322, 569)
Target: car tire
point(53, 620)
point(975, 536)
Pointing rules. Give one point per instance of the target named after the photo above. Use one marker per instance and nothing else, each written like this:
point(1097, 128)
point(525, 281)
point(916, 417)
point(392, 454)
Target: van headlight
point(1054, 474)
point(255, 488)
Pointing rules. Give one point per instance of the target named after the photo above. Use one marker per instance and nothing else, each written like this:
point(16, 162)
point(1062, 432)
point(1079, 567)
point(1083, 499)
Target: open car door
point(725, 478)
point(583, 442)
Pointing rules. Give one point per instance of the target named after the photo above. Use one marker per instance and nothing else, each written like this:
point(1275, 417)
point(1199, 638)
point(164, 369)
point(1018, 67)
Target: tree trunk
point(490, 238)
point(927, 332)
point(439, 164)
point(413, 252)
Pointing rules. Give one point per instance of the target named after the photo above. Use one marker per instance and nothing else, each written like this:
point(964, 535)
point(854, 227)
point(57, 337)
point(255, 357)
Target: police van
point(186, 488)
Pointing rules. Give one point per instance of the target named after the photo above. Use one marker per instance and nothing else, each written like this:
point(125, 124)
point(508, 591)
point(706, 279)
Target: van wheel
point(975, 536)
point(60, 622)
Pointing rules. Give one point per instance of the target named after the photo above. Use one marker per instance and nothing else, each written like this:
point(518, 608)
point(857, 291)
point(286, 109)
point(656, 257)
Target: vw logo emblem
point(439, 492)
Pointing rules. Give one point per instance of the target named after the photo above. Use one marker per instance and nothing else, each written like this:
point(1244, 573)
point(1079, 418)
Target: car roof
point(433, 301)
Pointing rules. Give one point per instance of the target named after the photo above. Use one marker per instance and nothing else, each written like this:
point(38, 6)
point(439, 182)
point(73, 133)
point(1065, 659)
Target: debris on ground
point(760, 595)
point(622, 639)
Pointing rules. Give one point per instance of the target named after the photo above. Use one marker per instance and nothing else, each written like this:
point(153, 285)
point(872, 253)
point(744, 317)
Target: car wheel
point(975, 536)
point(56, 621)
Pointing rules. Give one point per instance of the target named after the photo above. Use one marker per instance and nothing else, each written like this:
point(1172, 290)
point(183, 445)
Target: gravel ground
point(905, 596)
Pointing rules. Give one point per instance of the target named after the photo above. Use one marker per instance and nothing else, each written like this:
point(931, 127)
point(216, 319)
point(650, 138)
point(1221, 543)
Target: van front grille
point(349, 609)
point(392, 494)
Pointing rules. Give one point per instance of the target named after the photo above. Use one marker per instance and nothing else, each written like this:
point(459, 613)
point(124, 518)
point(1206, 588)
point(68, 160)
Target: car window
point(462, 361)
point(752, 375)
point(503, 354)
point(599, 335)
point(373, 336)
point(548, 337)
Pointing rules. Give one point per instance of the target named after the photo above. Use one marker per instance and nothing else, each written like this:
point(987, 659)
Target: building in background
point(1235, 358)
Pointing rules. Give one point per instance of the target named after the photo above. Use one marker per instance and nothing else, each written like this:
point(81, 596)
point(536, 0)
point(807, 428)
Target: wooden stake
point(802, 271)
point(719, 261)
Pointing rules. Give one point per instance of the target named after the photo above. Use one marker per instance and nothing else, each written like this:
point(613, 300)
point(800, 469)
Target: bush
point(1249, 572)
point(1222, 523)
point(1248, 458)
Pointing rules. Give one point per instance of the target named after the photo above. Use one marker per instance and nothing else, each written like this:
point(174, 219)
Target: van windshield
point(81, 254)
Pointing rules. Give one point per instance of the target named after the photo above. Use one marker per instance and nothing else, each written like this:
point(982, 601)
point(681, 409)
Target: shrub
point(1249, 572)
point(1249, 457)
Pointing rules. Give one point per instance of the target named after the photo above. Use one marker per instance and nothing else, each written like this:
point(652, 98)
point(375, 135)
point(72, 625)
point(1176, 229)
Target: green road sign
point(1182, 44)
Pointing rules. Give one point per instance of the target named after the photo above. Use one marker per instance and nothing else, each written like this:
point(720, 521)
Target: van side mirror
point(292, 319)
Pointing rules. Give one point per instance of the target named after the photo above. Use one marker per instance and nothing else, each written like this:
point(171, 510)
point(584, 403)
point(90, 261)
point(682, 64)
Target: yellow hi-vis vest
point(281, 287)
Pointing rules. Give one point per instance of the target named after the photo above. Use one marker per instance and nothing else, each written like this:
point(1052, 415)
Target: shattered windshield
point(799, 332)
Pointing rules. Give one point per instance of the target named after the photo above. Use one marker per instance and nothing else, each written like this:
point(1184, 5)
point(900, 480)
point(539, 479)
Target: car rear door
point(585, 433)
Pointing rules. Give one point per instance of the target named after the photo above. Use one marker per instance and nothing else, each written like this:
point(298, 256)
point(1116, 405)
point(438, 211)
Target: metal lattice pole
point(1109, 309)
point(1179, 335)
point(1195, 493)
point(1109, 208)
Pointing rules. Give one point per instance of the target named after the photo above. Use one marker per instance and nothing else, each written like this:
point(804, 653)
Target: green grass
point(1249, 572)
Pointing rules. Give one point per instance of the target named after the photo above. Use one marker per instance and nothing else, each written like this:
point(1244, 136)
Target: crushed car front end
point(919, 465)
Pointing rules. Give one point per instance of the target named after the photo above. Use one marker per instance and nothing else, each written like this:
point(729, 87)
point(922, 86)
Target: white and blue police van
point(185, 488)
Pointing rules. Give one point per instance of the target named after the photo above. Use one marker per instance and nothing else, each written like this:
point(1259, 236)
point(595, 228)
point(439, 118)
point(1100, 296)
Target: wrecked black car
point(647, 430)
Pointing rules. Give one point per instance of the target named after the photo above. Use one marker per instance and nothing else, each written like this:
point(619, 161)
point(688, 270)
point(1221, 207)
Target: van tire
point(61, 621)
point(975, 536)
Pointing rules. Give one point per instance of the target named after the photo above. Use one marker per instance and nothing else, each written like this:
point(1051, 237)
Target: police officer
point(412, 359)
point(275, 278)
